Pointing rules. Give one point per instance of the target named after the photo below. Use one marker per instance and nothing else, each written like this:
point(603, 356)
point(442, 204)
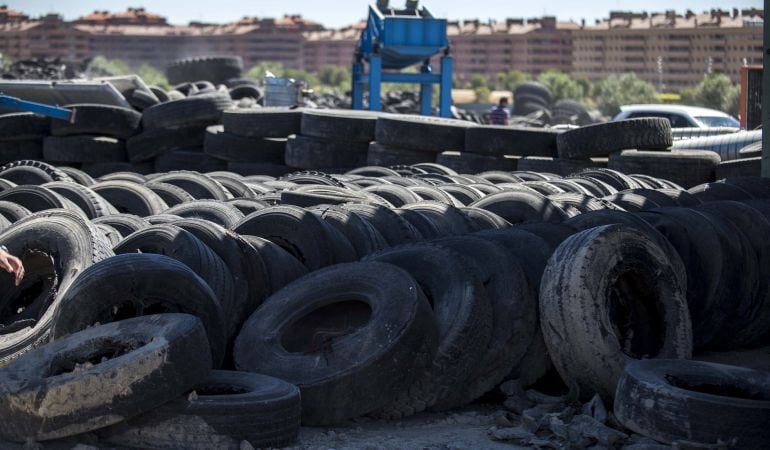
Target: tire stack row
point(21, 136)
point(253, 141)
point(174, 132)
point(382, 291)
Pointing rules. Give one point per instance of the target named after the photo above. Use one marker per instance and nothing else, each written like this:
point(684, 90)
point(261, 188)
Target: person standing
point(499, 114)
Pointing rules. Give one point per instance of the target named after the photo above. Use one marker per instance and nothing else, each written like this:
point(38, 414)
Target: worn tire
point(428, 134)
point(133, 285)
point(131, 198)
point(602, 139)
point(511, 140)
point(686, 168)
point(394, 340)
point(263, 122)
point(227, 409)
point(153, 360)
point(676, 400)
point(101, 120)
point(590, 353)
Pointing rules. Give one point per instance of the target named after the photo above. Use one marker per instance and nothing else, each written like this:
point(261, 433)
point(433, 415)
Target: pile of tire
point(254, 141)
point(380, 292)
point(533, 102)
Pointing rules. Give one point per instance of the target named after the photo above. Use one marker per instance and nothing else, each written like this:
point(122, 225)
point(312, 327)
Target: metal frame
point(6, 101)
point(397, 42)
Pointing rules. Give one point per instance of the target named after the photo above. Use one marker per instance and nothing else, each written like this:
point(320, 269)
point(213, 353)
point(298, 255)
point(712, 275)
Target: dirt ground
point(459, 429)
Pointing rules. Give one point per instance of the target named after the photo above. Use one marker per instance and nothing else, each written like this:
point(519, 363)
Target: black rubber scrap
point(343, 125)
point(151, 143)
point(199, 109)
point(236, 148)
point(590, 141)
point(23, 126)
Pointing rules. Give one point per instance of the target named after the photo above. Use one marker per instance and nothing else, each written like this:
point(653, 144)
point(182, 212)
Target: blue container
point(403, 41)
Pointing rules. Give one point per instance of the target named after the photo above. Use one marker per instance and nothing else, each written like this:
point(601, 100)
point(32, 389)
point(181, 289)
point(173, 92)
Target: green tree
point(259, 71)
point(101, 66)
point(687, 96)
point(334, 76)
point(716, 91)
point(507, 81)
point(561, 85)
point(624, 89)
point(153, 76)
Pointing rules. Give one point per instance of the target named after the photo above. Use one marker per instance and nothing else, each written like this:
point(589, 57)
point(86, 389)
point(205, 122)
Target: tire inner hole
point(636, 315)
point(147, 307)
point(22, 306)
point(95, 353)
point(317, 331)
point(726, 389)
point(220, 389)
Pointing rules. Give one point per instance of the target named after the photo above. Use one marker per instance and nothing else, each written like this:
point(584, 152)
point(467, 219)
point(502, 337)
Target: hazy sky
point(336, 13)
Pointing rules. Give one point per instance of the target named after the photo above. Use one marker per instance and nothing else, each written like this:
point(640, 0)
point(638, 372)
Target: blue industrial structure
point(396, 39)
point(13, 103)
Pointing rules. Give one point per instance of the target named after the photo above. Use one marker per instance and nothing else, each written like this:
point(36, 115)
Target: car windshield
point(716, 121)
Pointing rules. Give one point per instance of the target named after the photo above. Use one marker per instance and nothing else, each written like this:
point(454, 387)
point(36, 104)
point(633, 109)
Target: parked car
point(680, 116)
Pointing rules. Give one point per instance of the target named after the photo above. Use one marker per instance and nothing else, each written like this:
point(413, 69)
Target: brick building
point(670, 50)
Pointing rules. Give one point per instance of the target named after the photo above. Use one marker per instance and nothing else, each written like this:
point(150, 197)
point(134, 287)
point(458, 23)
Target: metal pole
point(375, 81)
point(766, 96)
point(426, 92)
point(358, 87)
point(445, 100)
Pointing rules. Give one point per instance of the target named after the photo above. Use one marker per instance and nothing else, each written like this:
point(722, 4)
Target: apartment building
point(671, 51)
point(528, 45)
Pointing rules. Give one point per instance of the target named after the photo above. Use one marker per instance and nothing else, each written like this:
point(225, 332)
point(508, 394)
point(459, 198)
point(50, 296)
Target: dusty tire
point(91, 203)
point(400, 339)
point(228, 408)
point(32, 172)
point(150, 144)
point(216, 69)
point(133, 285)
point(590, 353)
point(282, 268)
point(219, 213)
point(54, 246)
point(200, 186)
point(154, 359)
point(235, 148)
point(604, 138)
point(125, 224)
point(199, 109)
point(676, 400)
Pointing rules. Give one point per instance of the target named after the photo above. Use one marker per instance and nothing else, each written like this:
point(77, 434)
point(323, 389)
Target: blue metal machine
point(8, 102)
point(396, 39)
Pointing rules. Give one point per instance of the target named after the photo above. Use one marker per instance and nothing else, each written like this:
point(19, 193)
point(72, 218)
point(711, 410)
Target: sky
point(338, 13)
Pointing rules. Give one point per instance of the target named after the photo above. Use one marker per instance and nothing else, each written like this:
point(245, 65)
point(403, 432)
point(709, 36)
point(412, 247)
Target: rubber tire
point(399, 339)
point(131, 285)
point(171, 361)
point(463, 313)
point(282, 268)
point(511, 140)
point(316, 153)
point(91, 203)
point(150, 144)
point(263, 122)
point(647, 133)
point(131, 198)
point(213, 211)
point(344, 125)
point(101, 120)
point(125, 224)
point(588, 353)
point(200, 186)
point(200, 109)
point(686, 168)
point(428, 134)
point(235, 148)
point(520, 207)
point(685, 403)
point(55, 247)
point(227, 409)
point(388, 155)
point(32, 172)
